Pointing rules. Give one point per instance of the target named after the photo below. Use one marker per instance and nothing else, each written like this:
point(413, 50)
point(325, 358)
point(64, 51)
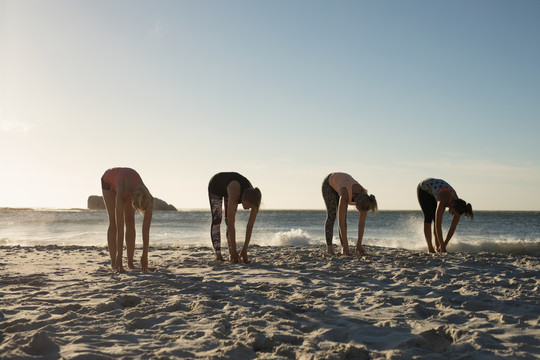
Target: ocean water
point(491, 231)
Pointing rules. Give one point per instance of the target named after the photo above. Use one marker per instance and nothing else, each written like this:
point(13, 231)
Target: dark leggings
point(331, 200)
point(216, 206)
point(427, 203)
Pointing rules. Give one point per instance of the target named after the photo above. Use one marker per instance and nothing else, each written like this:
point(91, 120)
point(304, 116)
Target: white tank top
point(434, 186)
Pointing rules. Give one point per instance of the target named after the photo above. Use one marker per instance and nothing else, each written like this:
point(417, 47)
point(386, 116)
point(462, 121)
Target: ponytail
point(141, 199)
point(253, 196)
point(463, 208)
point(365, 202)
point(468, 211)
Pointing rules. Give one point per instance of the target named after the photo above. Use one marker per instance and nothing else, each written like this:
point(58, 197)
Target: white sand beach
point(289, 303)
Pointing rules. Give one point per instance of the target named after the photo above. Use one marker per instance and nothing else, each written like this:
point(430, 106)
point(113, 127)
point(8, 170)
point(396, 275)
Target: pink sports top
point(339, 180)
point(112, 176)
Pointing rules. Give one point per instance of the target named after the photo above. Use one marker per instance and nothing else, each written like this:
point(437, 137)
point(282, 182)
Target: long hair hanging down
point(463, 208)
point(254, 196)
point(141, 199)
point(365, 202)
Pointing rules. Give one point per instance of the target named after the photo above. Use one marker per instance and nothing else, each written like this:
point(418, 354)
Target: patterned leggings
point(216, 204)
point(331, 200)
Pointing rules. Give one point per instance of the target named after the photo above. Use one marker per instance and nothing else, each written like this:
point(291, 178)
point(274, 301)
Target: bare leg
point(437, 244)
point(129, 218)
point(111, 241)
point(427, 234)
point(110, 204)
point(227, 235)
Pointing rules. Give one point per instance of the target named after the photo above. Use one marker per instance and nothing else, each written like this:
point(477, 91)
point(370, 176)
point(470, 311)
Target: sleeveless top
point(219, 182)
point(112, 176)
point(434, 186)
point(338, 180)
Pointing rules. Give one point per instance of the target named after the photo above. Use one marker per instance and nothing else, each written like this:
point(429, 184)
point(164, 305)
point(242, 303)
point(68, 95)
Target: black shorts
point(427, 203)
point(104, 185)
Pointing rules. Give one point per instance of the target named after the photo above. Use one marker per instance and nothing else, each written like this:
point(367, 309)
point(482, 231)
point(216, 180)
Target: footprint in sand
point(127, 300)
point(41, 344)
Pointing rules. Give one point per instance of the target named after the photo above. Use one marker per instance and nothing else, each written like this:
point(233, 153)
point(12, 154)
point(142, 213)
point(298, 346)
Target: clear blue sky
point(283, 92)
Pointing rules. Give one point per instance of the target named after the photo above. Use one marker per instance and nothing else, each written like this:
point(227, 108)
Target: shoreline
point(10, 208)
point(289, 303)
point(509, 248)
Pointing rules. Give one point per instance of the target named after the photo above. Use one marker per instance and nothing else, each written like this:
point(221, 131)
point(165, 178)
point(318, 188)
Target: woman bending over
point(234, 189)
point(123, 193)
point(340, 190)
point(434, 196)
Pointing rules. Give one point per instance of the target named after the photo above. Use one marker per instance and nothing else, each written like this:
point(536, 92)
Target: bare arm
point(249, 230)
point(361, 225)
point(443, 199)
point(233, 191)
point(452, 229)
point(439, 243)
point(147, 220)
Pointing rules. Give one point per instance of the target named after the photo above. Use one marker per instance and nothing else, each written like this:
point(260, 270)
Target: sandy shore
point(290, 303)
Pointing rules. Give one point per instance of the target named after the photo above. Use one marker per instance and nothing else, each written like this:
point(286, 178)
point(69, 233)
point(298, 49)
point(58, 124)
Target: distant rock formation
point(95, 202)
point(162, 205)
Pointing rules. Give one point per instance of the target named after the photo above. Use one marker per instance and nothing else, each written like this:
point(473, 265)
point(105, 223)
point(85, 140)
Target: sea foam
point(501, 246)
point(293, 237)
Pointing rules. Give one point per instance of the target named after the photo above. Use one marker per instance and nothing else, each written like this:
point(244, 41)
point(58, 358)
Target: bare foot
point(360, 252)
point(330, 250)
